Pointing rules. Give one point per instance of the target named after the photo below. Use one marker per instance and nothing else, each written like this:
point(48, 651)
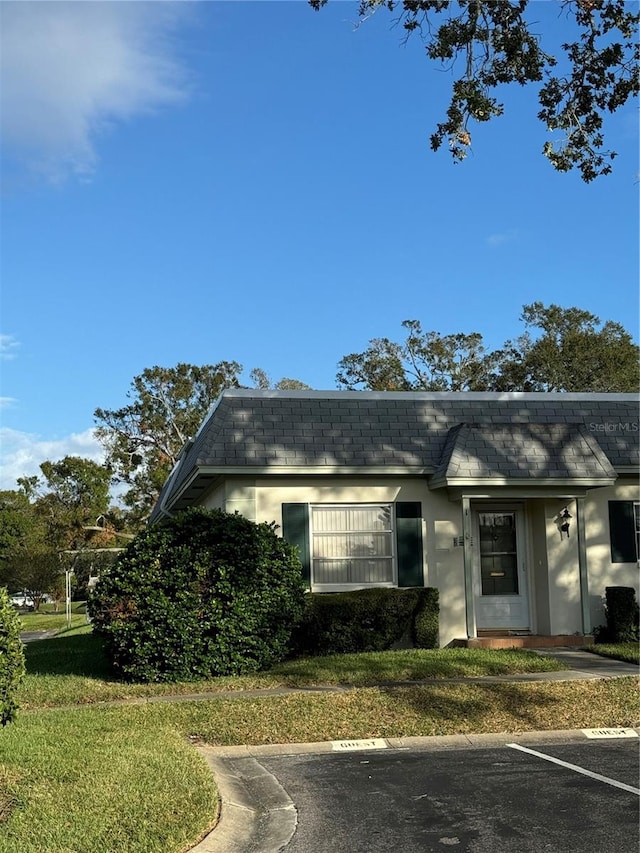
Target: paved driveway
point(485, 801)
point(563, 796)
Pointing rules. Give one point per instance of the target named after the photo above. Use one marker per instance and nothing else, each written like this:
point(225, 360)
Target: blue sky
point(252, 181)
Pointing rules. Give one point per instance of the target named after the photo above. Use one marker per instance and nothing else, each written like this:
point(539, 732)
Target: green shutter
point(409, 543)
point(622, 529)
point(295, 529)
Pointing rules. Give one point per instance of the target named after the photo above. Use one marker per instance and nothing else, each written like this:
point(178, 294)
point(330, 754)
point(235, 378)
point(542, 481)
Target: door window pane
point(498, 553)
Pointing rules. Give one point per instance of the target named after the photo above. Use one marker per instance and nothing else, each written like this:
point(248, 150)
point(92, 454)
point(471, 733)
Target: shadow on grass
point(480, 708)
point(78, 655)
point(477, 708)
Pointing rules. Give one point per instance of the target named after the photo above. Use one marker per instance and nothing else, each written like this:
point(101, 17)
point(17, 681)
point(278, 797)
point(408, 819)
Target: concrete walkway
point(32, 636)
point(583, 664)
point(258, 815)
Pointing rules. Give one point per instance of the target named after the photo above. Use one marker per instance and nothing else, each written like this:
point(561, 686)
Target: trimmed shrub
point(426, 622)
point(621, 609)
point(204, 594)
point(12, 667)
point(366, 620)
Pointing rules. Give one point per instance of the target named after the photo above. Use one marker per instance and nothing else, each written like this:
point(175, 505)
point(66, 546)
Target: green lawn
point(629, 652)
point(98, 780)
point(76, 775)
point(71, 669)
point(47, 619)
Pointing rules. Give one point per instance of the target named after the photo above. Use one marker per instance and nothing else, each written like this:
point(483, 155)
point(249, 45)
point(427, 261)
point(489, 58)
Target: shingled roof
point(446, 436)
point(486, 453)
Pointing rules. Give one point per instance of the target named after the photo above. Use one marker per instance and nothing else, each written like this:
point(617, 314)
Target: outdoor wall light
point(565, 519)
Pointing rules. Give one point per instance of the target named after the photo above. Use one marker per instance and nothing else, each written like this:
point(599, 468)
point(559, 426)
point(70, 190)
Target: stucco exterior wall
point(553, 564)
point(443, 565)
point(602, 572)
point(565, 609)
point(215, 499)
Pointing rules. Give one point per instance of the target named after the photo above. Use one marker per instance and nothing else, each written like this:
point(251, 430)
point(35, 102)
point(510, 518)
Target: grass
point(47, 619)
point(126, 777)
point(72, 669)
point(101, 780)
point(629, 652)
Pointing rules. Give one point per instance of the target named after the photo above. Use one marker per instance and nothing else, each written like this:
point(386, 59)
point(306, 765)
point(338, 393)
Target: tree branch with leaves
point(143, 439)
point(494, 44)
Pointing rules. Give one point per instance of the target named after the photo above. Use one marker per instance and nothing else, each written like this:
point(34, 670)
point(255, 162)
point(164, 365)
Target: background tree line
point(53, 519)
point(60, 520)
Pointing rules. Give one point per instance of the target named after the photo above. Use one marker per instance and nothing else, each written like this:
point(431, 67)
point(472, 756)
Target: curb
point(427, 743)
point(256, 813)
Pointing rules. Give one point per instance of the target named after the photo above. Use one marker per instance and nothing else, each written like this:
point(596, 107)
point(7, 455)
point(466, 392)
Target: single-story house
point(521, 508)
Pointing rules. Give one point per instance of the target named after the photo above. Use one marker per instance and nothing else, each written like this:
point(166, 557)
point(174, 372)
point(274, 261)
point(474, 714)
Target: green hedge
point(205, 593)
point(366, 620)
point(11, 658)
point(621, 609)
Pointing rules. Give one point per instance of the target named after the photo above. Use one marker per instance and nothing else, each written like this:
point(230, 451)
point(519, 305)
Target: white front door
point(500, 581)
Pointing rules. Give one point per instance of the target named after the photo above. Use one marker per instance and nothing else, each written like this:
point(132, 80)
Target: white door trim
point(495, 611)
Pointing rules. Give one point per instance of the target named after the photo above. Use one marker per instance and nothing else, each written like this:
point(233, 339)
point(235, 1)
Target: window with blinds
point(352, 544)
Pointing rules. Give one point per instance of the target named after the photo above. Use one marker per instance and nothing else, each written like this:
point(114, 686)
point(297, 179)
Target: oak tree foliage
point(569, 349)
point(562, 349)
point(167, 405)
point(143, 438)
point(262, 381)
point(490, 43)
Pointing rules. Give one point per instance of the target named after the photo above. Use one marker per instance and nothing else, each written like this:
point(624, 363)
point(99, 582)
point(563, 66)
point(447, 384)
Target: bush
point(621, 609)
point(205, 593)
point(11, 658)
point(366, 620)
point(426, 623)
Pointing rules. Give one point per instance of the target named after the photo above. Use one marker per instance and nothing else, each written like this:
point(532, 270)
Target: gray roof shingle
point(440, 433)
point(522, 452)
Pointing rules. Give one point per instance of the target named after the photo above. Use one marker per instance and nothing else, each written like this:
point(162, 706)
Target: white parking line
point(576, 768)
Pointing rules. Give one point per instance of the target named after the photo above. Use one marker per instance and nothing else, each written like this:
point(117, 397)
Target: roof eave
point(582, 482)
point(212, 473)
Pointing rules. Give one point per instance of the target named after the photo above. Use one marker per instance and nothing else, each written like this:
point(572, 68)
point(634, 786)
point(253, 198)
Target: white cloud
point(500, 238)
point(22, 452)
point(8, 345)
point(69, 70)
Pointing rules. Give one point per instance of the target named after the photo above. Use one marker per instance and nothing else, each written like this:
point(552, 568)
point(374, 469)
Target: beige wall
point(443, 562)
point(602, 572)
point(554, 581)
point(234, 496)
point(564, 605)
point(555, 577)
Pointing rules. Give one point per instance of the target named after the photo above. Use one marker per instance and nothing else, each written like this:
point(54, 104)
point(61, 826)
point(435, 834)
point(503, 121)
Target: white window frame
point(349, 587)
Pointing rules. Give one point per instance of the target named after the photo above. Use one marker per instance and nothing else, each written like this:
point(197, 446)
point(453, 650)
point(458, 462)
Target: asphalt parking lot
point(558, 796)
